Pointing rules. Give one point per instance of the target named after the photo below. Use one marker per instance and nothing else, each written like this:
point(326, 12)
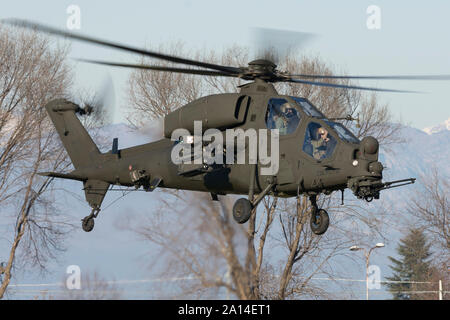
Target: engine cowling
point(220, 111)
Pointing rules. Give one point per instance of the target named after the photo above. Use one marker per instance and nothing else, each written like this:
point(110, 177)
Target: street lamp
point(367, 255)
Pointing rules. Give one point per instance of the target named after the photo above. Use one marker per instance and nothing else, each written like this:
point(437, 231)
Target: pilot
point(281, 121)
point(320, 144)
point(288, 120)
point(291, 116)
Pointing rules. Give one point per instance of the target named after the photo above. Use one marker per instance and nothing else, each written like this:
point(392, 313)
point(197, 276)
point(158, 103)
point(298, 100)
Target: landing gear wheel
point(319, 221)
point(88, 223)
point(242, 210)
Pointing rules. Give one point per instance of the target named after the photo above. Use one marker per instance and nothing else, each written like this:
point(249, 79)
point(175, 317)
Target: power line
point(142, 281)
point(372, 281)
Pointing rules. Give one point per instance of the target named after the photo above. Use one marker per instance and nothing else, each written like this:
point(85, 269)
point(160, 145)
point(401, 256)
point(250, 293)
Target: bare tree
point(275, 256)
point(33, 71)
point(430, 207)
point(154, 94)
point(233, 56)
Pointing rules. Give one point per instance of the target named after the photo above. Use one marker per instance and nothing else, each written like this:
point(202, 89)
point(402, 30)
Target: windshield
point(343, 132)
point(308, 108)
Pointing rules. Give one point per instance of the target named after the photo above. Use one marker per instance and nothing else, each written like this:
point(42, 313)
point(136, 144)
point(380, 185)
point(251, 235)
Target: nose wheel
point(319, 220)
point(87, 223)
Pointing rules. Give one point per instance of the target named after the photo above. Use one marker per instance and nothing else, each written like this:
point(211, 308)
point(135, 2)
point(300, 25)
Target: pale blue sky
point(414, 38)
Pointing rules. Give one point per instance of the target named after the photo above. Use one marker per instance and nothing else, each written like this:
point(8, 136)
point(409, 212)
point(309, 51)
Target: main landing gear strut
point(242, 209)
point(319, 220)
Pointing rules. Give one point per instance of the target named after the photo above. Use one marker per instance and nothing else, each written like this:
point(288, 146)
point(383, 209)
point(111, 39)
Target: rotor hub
point(261, 68)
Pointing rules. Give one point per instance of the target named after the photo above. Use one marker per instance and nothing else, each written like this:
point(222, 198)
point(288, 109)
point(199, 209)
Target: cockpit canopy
point(320, 135)
point(308, 108)
point(312, 111)
point(342, 132)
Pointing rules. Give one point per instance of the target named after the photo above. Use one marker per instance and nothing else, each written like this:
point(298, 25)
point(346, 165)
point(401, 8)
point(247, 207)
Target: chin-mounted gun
point(368, 188)
point(398, 183)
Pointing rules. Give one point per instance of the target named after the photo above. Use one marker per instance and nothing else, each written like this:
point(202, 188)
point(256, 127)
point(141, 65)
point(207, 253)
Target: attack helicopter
point(315, 155)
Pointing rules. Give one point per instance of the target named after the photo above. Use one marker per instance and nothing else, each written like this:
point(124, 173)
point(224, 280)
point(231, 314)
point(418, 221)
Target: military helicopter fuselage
point(304, 166)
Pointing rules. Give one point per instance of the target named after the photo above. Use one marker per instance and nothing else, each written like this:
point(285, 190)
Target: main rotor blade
point(402, 77)
point(159, 68)
point(61, 33)
point(342, 86)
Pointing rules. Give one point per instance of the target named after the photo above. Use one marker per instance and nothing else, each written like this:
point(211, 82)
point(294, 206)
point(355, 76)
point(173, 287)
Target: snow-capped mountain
point(444, 126)
point(420, 152)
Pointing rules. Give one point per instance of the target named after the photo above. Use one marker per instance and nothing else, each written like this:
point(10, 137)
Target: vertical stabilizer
point(76, 140)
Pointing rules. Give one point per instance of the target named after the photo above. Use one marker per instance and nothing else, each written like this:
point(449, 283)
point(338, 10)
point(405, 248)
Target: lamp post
point(367, 256)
